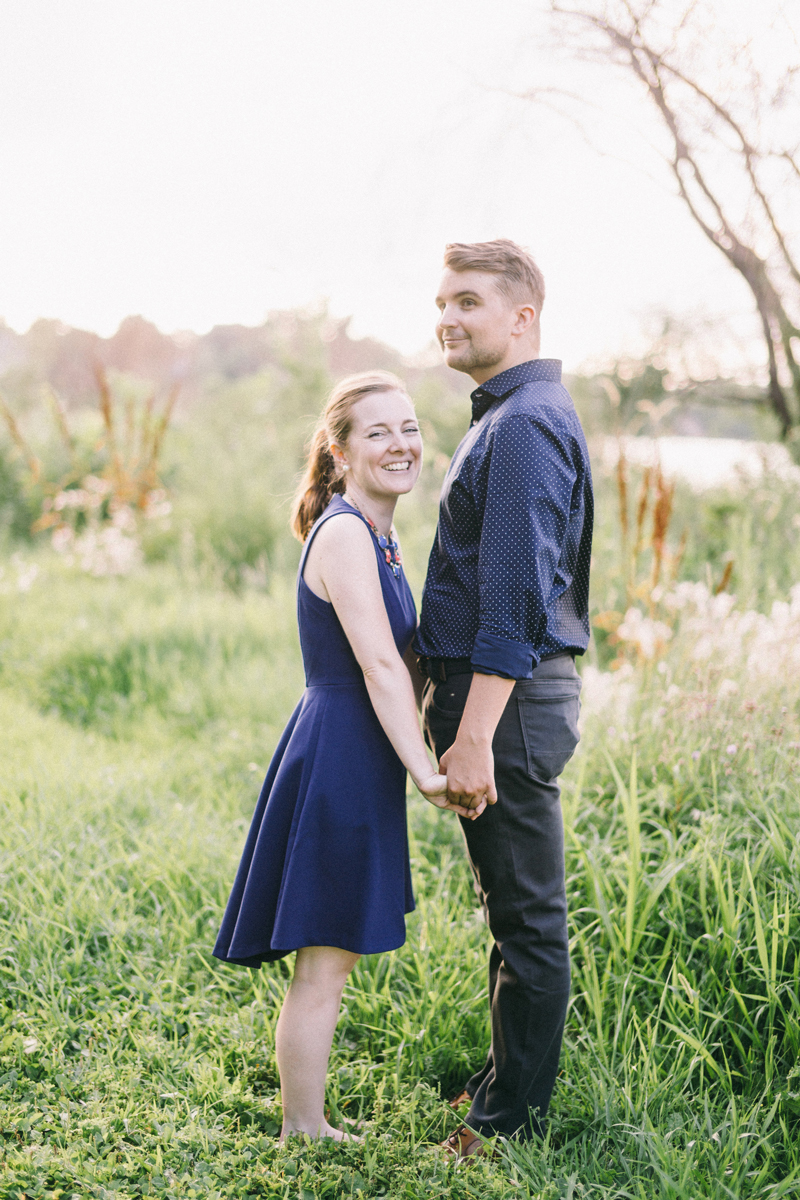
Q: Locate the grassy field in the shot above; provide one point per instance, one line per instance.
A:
(137, 716)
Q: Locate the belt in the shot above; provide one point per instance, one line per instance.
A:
(440, 669)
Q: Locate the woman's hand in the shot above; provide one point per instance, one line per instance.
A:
(434, 789)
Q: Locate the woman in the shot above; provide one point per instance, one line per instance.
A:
(325, 870)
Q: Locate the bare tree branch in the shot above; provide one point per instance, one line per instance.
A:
(749, 154)
(629, 45)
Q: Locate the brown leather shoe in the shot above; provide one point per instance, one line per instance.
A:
(464, 1144)
(460, 1100)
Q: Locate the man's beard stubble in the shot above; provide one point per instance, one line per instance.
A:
(478, 359)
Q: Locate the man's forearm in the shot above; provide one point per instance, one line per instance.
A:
(487, 699)
(469, 762)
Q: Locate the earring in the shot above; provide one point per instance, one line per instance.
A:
(345, 466)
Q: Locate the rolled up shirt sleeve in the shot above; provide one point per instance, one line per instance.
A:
(529, 488)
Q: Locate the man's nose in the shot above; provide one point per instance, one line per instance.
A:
(447, 318)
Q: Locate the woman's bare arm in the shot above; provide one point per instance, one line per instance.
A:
(344, 562)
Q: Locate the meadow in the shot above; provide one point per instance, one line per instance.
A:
(138, 714)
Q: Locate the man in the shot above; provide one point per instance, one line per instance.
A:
(504, 612)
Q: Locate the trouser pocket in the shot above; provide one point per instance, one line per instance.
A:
(548, 714)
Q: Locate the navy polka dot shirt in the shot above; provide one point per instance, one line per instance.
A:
(508, 576)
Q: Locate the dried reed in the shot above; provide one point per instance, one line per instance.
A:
(128, 478)
(34, 465)
(726, 578)
(662, 515)
(622, 492)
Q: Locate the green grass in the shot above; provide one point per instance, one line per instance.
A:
(137, 716)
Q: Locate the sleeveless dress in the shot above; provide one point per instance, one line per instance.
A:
(326, 860)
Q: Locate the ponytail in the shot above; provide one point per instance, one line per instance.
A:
(323, 479)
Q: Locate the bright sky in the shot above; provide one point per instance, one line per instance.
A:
(206, 161)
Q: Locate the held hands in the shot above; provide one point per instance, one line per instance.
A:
(470, 776)
(434, 789)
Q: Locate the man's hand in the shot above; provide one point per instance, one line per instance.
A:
(470, 774)
(469, 762)
(435, 791)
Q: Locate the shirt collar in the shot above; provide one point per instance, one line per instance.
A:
(502, 385)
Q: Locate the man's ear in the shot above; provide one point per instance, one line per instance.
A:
(526, 318)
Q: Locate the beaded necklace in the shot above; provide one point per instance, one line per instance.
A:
(390, 548)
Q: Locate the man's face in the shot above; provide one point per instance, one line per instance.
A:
(476, 321)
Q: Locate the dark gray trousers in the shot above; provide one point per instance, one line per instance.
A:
(516, 850)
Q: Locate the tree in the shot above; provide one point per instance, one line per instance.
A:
(730, 113)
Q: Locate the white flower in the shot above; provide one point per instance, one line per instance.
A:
(607, 693)
(650, 637)
(108, 551)
(157, 505)
(62, 539)
(26, 573)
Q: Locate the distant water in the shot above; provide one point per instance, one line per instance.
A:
(703, 462)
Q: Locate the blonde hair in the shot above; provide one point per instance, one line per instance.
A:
(519, 278)
(323, 479)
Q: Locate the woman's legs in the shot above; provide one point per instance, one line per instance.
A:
(304, 1036)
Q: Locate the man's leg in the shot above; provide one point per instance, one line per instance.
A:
(517, 855)
(495, 959)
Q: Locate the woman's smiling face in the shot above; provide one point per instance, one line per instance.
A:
(384, 448)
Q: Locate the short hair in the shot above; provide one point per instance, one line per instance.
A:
(519, 278)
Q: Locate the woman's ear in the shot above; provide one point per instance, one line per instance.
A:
(338, 457)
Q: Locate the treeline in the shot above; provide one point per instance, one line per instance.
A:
(635, 395)
(78, 414)
(247, 400)
(66, 359)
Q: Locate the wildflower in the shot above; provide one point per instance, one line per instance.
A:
(607, 694)
(26, 573)
(650, 637)
(108, 550)
(62, 539)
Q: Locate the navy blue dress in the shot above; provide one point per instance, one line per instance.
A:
(326, 859)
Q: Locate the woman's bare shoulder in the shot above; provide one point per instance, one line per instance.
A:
(342, 531)
(341, 562)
